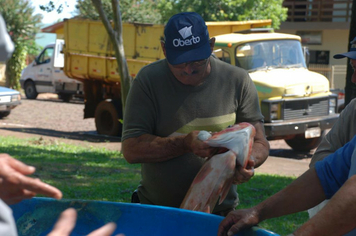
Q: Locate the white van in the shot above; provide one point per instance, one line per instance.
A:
(44, 75)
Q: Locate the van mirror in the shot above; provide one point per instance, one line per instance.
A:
(58, 54)
(306, 55)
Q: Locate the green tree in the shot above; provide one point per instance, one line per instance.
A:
(144, 11)
(110, 10)
(227, 10)
(22, 26)
(115, 35)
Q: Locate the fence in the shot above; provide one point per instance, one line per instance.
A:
(319, 11)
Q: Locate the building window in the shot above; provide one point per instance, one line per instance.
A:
(319, 57)
(310, 37)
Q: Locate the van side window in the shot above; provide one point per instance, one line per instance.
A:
(45, 56)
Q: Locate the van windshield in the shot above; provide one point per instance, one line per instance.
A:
(268, 54)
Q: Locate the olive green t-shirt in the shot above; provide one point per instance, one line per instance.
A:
(160, 105)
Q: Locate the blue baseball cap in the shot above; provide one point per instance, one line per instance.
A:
(186, 38)
(351, 54)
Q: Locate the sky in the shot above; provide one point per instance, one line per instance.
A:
(43, 39)
(53, 17)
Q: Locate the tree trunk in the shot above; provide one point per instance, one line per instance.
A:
(350, 88)
(116, 39)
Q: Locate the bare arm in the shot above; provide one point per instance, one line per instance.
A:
(301, 194)
(259, 154)
(337, 217)
(260, 149)
(151, 148)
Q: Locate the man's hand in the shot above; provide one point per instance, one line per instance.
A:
(16, 186)
(243, 175)
(198, 147)
(66, 224)
(238, 220)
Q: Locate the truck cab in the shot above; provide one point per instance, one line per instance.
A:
(296, 103)
(44, 76)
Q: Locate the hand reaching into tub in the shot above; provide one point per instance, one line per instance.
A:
(66, 224)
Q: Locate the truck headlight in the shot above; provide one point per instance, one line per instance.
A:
(332, 105)
(15, 97)
(270, 110)
(274, 111)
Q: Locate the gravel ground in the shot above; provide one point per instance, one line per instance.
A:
(48, 112)
(49, 118)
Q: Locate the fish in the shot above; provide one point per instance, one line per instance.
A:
(215, 177)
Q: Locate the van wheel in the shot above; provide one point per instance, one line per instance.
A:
(300, 143)
(107, 115)
(4, 114)
(30, 90)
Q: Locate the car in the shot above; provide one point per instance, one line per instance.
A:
(9, 99)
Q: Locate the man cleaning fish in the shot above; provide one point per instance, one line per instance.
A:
(217, 174)
(171, 101)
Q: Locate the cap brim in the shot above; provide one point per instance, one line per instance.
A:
(176, 57)
(351, 55)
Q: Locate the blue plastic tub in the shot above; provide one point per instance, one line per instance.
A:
(38, 215)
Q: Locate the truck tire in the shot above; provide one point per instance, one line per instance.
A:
(300, 143)
(30, 90)
(66, 97)
(4, 114)
(107, 115)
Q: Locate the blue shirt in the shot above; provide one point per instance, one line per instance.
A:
(334, 170)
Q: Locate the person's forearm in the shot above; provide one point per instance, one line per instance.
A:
(260, 149)
(150, 148)
(337, 217)
(302, 194)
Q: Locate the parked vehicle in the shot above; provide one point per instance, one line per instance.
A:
(297, 104)
(43, 76)
(9, 99)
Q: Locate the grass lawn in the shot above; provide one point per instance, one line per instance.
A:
(101, 174)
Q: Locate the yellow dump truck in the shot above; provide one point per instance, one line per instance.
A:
(296, 103)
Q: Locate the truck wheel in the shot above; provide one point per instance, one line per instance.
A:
(65, 97)
(107, 115)
(30, 90)
(4, 114)
(300, 143)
